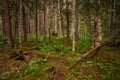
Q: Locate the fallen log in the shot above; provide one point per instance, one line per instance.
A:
(95, 50)
(85, 56)
(20, 54)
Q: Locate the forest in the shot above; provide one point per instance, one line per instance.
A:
(59, 39)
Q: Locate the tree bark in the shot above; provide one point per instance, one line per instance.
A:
(7, 26)
(59, 18)
(20, 21)
(1, 26)
(24, 21)
(67, 19)
(44, 28)
(73, 25)
(97, 26)
(111, 17)
(36, 21)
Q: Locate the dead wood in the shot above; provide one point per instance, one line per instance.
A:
(20, 54)
(95, 50)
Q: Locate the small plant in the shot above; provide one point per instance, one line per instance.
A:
(101, 66)
(90, 63)
(37, 60)
(2, 41)
(70, 60)
(74, 72)
(89, 77)
(31, 69)
(45, 59)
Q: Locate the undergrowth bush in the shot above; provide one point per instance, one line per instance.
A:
(56, 45)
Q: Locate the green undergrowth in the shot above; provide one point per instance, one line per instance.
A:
(51, 61)
(58, 45)
(2, 41)
(105, 66)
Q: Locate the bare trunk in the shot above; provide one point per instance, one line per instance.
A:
(111, 17)
(36, 21)
(7, 27)
(20, 22)
(24, 22)
(33, 26)
(16, 20)
(77, 26)
(59, 18)
(73, 25)
(1, 27)
(67, 19)
(114, 14)
(97, 26)
(47, 20)
(44, 28)
(55, 23)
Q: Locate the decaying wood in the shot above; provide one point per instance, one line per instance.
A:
(95, 50)
(80, 59)
(20, 54)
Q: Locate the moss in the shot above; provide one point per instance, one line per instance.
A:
(46, 66)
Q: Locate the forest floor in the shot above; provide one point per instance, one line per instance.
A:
(45, 66)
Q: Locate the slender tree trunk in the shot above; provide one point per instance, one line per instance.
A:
(114, 14)
(20, 21)
(42, 23)
(44, 28)
(59, 18)
(47, 20)
(77, 26)
(111, 18)
(97, 26)
(16, 19)
(7, 26)
(28, 24)
(1, 27)
(73, 25)
(33, 28)
(24, 21)
(67, 19)
(36, 21)
(55, 23)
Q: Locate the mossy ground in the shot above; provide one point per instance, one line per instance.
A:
(46, 66)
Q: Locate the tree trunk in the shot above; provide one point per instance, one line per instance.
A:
(16, 19)
(1, 26)
(24, 21)
(7, 26)
(111, 18)
(44, 28)
(36, 21)
(73, 25)
(97, 33)
(67, 19)
(59, 18)
(97, 26)
(114, 14)
(77, 26)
